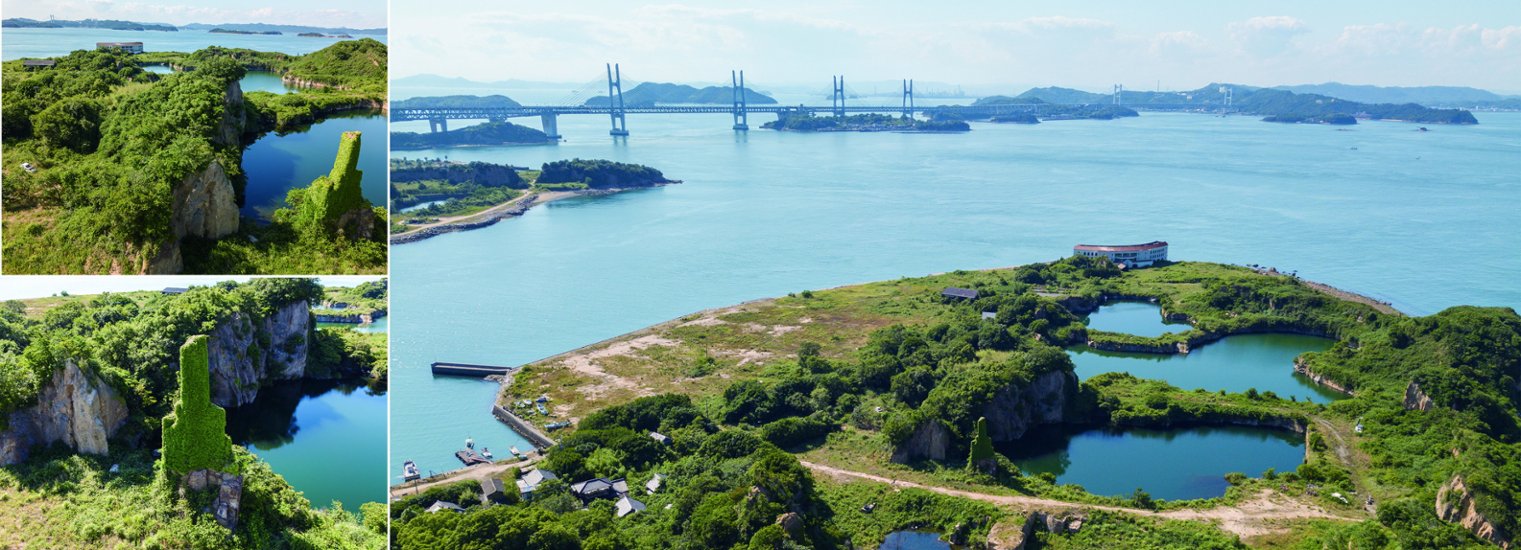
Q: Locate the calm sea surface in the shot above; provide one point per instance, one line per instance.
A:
(1422, 219)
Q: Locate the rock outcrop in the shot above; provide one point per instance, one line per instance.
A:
(1303, 367)
(247, 352)
(1455, 503)
(1417, 400)
(1015, 409)
(1010, 413)
(228, 494)
(75, 407)
(205, 204)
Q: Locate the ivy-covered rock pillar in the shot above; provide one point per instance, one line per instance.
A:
(195, 434)
(983, 457)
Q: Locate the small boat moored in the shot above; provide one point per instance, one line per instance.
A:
(486, 452)
(409, 471)
(516, 452)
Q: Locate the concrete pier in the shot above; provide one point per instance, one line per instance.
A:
(466, 369)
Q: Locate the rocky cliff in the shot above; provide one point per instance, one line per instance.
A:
(1417, 400)
(1455, 503)
(248, 352)
(205, 201)
(1010, 413)
(1016, 409)
(1303, 367)
(75, 407)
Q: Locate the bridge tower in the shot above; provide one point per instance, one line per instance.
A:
(1119, 89)
(741, 113)
(615, 101)
(837, 101)
(908, 98)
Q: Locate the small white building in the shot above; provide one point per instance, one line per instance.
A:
(129, 47)
(1126, 255)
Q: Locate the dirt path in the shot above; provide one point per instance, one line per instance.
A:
(1251, 518)
(537, 197)
(472, 473)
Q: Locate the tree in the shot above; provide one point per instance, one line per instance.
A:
(72, 123)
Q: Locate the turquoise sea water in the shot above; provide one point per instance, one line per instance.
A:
(1421, 219)
(276, 163)
(19, 43)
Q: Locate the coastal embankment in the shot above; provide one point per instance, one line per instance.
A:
(485, 218)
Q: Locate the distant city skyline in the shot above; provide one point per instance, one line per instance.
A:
(314, 13)
(1007, 46)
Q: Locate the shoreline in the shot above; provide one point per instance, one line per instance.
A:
(510, 209)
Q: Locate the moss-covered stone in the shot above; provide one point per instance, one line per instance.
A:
(195, 434)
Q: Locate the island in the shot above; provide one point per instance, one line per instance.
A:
(496, 101)
(483, 134)
(866, 122)
(220, 30)
(115, 406)
(431, 196)
(110, 24)
(1274, 104)
(648, 94)
(154, 162)
(1034, 109)
(842, 417)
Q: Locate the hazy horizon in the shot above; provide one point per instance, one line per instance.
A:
(356, 14)
(978, 45)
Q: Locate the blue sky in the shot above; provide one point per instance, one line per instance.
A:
(1183, 44)
(318, 13)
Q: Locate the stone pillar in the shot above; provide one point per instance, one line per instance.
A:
(551, 124)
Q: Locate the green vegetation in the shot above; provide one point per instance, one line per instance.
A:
(1111, 530)
(723, 489)
(868, 122)
(850, 377)
(1054, 111)
(114, 146)
(328, 227)
(600, 174)
(57, 499)
(486, 133)
(366, 297)
(458, 189)
(195, 433)
(1277, 105)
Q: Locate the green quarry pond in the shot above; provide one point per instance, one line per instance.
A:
(1234, 363)
(1174, 464)
(326, 438)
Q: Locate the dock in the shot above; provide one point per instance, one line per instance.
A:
(522, 427)
(442, 368)
(470, 457)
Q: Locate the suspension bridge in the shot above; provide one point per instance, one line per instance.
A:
(739, 108)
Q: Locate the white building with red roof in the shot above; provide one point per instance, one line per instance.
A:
(1126, 255)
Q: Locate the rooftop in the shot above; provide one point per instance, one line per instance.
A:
(1120, 247)
(955, 292)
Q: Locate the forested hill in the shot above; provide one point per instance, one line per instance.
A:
(650, 93)
(112, 24)
(1430, 96)
(1280, 105)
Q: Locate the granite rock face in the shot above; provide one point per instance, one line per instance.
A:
(1010, 413)
(1455, 503)
(205, 204)
(248, 352)
(75, 407)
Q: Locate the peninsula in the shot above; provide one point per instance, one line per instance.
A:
(846, 414)
(479, 135)
(868, 122)
(433, 197)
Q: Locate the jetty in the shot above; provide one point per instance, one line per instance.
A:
(442, 368)
(470, 458)
(522, 427)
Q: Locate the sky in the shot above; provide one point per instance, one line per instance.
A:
(359, 14)
(16, 287)
(999, 44)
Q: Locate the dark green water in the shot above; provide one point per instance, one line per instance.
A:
(276, 163)
(326, 438)
(1138, 318)
(913, 540)
(1185, 463)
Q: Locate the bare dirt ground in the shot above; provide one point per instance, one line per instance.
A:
(474, 473)
(585, 364)
(1254, 517)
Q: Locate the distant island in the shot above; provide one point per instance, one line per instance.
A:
(1430, 96)
(109, 24)
(220, 30)
(650, 93)
(490, 133)
(870, 122)
(1038, 110)
(456, 102)
(320, 35)
(1275, 105)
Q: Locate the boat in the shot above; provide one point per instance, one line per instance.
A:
(409, 471)
(469, 443)
(485, 452)
(516, 452)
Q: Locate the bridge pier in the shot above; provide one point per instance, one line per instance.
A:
(436, 125)
(551, 125)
